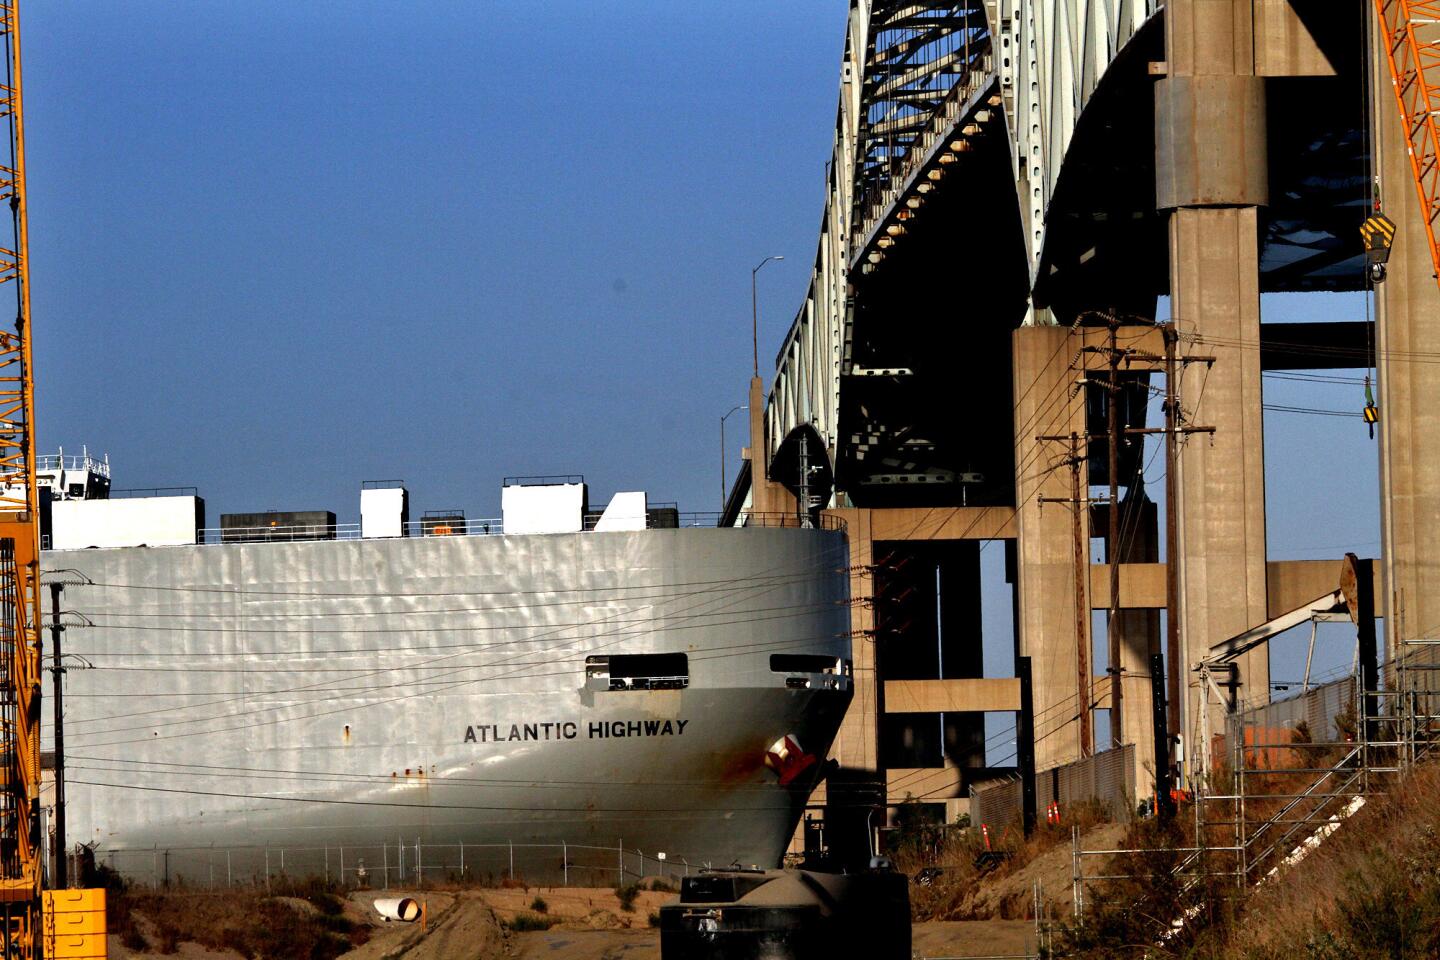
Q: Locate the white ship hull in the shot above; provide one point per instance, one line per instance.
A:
(253, 698)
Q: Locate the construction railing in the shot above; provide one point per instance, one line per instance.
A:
(1295, 770)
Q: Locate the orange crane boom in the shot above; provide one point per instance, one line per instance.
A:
(1411, 37)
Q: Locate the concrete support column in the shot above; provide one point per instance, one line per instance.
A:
(766, 496)
(1215, 292)
(856, 743)
(1211, 174)
(1050, 633)
(1407, 320)
(1139, 637)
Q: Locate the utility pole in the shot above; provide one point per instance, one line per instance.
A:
(57, 630)
(1112, 548)
(1172, 531)
(1025, 744)
(1174, 429)
(1079, 502)
(1082, 603)
(1114, 432)
(1164, 807)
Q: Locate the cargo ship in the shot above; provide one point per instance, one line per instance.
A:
(556, 681)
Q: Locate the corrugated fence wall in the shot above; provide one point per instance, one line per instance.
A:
(1317, 708)
(1107, 778)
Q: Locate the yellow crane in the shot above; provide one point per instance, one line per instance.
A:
(20, 857)
(33, 924)
(1410, 32)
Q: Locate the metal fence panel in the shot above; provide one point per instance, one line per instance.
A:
(1317, 708)
(1107, 779)
(996, 805)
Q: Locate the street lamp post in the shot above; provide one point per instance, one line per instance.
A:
(724, 478)
(755, 312)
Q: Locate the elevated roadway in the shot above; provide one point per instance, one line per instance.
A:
(1007, 178)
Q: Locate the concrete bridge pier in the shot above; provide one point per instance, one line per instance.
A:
(1211, 176)
(1055, 623)
(1139, 633)
(917, 720)
(1053, 618)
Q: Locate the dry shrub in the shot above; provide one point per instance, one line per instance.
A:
(1124, 915)
(526, 922)
(251, 921)
(1371, 890)
(964, 868)
(626, 895)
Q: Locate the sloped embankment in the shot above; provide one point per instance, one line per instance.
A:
(1371, 890)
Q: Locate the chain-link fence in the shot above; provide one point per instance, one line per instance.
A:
(403, 863)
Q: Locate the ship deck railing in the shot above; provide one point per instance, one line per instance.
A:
(61, 462)
(489, 526)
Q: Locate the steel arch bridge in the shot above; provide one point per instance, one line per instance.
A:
(993, 165)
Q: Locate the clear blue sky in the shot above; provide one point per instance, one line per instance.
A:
(281, 248)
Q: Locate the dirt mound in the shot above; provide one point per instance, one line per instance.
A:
(454, 925)
(1010, 895)
(302, 919)
(960, 885)
(471, 924)
(973, 938)
(566, 944)
(593, 907)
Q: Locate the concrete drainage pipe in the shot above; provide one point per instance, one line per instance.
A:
(404, 909)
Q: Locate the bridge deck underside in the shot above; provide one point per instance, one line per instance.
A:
(1105, 244)
(939, 273)
(940, 312)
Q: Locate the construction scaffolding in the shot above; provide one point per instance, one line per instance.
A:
(1279, 782)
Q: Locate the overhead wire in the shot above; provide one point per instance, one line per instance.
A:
(591, 813)
(128, 765)
(349, 692)
(390, 595)
(426, 663)
(1312, 411)
(784, 611)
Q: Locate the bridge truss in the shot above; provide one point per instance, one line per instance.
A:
(921, 82)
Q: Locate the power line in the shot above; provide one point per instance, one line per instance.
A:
(720, 812)
(348, 693)
(371, 595)
(169, 769)
(1312, 411)
(419, 683)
